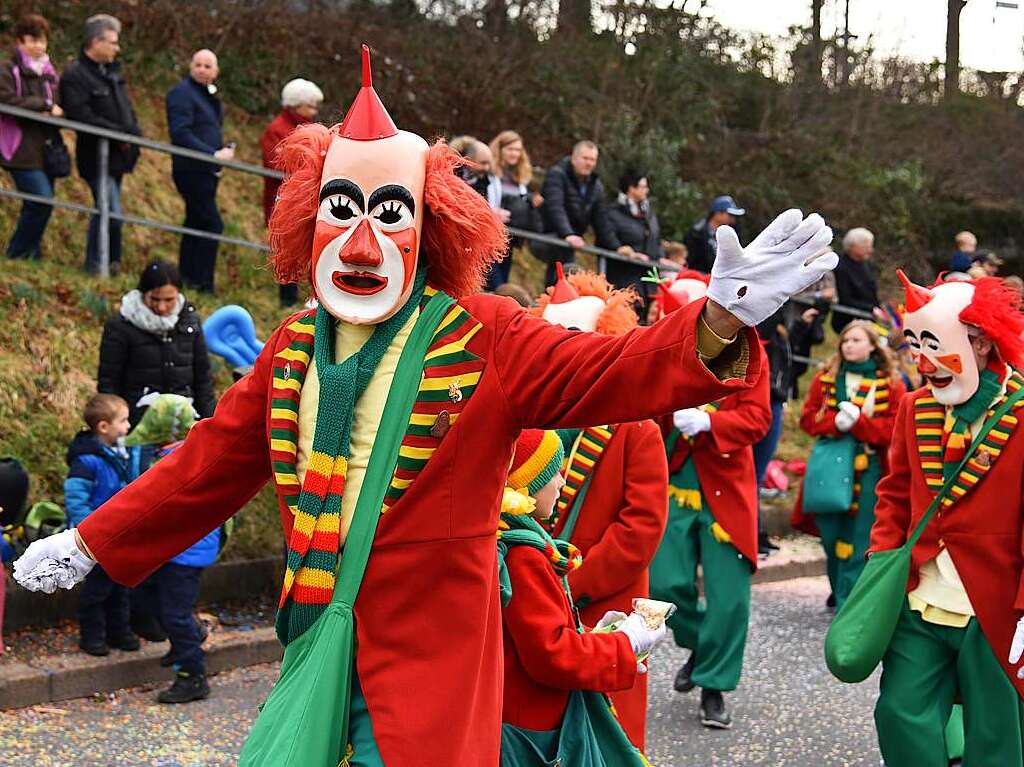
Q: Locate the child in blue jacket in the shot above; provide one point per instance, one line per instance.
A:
(99, 466)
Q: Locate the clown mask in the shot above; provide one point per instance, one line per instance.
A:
(571, 310)
(939, 342)
(370, 219)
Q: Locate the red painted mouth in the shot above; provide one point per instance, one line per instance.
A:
(359, 283)
(939, 383)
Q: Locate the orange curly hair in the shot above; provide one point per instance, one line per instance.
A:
(618, 316)
(461, 235)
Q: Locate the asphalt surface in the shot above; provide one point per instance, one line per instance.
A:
(788, 711)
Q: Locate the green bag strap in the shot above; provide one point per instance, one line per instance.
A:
(918, 531)
(384, 455)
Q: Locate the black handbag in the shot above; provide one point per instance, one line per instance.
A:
(56, 158)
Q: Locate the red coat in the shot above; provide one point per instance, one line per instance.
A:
(545, 657)
(982, 530)
(285, 122)
(724, 459)
(618, 531)
(429, 657)
(818, 420)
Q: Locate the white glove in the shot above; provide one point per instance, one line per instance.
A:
(790, 255)
(610, 617)
(847, 416)
(1017, 647)
(691, 421)
(640, 637)
(51, 563)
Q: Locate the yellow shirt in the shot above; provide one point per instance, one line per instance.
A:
(369, 409)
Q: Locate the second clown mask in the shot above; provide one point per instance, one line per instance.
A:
(370, 220)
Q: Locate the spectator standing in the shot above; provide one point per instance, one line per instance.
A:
(29, 81)
(700, 241)
(813, 306)
(93, 91)
(574, 200)
(636, 226)
(514, 172)
(856, 286)
(156, 344)
(966, 244)
(300, 104)
(195, 120)
(98, 467)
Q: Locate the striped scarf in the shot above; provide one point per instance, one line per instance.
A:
(956, 430)
(312, 559)
(524, 530)
(581, 463)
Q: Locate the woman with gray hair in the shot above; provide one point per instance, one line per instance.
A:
(856, 286)
(300, 103)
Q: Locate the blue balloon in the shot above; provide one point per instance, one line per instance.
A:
(231, 334)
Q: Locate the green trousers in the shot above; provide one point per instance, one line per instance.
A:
(852, 531)
(715, 628)
(924, 668)
(360, 733)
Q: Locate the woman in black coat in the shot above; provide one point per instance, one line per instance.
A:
(156, 344)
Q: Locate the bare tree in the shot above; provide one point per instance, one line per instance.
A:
(816, 45)
(574, 17)
(951, 86)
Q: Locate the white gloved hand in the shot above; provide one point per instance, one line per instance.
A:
(847, 416)
(1017, 647)
(640, 637)
(51, 563)
(610, 617)
(791, 254)
(691, 421)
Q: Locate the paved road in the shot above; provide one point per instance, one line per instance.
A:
(788, 712)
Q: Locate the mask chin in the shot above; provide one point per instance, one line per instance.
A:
(959, 389)
(578, 314)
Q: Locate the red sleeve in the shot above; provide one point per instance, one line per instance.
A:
(877, 430)
(892, 512)
(741, 426)
(548, 645)
(553, 377)
(223, 463)
(816, 419)
(628, 544)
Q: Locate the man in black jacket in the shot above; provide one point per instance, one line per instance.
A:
(855, 276)
(574, 199)
(701, 244)
(195, 119)
(93, 91)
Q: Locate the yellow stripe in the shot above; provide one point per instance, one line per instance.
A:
(282, 478)
(304, 523)
(925, 432)
(321, 463)
(284, 445)
(422, 453)
(284, 414)
(576, 475)
(289, 578)
(293, 355)
(442, 383)
(454, 346)
(400, 484)
(428, 419)
(287, 383)
(585, 461)
(1000, 434)
(312, 576)
(591, 445)
(301, 328)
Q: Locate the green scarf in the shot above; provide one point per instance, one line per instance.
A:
(868, 368)
(524, 530)
(313, 548)
(989, 385)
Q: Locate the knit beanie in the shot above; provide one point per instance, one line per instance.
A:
(538, 458)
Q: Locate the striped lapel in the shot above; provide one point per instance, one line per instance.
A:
(590, 446)
(290, 365)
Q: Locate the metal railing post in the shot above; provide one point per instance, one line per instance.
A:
(103, 203)
(602, 265)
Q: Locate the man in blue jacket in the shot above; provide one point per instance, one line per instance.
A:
(195, 119)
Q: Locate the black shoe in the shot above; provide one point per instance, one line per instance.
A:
(712, 710)
(683, 682)
(765, 545)
(128, 642)
(95, 647)
(148, 627)
(166, 661)
(186, 688)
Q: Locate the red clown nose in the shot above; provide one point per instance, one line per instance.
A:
(916, 295)
(367, 119)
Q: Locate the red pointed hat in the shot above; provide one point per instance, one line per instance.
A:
(916, 296)
(563, 292)
(367, 119)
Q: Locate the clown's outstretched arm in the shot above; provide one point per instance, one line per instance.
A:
(222, 464)
(553, 377)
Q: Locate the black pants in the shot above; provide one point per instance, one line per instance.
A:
(198, 255)
(499, 272)
(102, 608)
(178, 588)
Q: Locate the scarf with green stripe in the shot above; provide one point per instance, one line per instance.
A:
(524, 530)
(868, 368)
(957, 428)
(313, 548)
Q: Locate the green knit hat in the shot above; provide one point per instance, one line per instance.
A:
(538, 458)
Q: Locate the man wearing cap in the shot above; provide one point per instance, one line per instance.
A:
(700, 241)
(386, 418)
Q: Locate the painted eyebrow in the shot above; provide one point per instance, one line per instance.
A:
(925, 334)
(345, 187)
(910, 334)
(393, 192)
